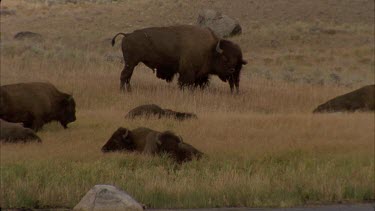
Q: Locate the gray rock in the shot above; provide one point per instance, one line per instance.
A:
(113, 57)
(222, 25)
(107, 197)
(7, 12)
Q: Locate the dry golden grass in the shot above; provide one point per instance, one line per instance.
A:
(263, 146)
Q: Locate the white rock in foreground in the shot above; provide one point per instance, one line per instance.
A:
(107, 197)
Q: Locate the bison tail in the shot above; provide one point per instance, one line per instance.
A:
(114, 38)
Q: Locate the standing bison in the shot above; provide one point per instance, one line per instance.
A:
(362, 99)
(193, 52)
(15, 132)
(35, 104)
(147, 141)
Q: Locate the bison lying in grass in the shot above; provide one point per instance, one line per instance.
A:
(35, 104)
(156, 111)
(359, 100)
(15, 132)
(147, 141)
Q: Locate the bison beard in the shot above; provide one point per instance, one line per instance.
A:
(191, 51)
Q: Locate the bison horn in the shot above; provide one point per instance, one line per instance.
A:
(158, 141)
(218, 49)
(125, 134)
(180, 139)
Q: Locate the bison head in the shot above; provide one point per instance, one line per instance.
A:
(67, 111)
(186, 152)
(228, 62)
(176, 148)
(120, 140)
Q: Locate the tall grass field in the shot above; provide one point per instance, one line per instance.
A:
(263, 147)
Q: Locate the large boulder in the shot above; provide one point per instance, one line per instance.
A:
(107, 197)
(362, 99)
(222, 25)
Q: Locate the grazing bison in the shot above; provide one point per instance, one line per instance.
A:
(147, 141)
(35, 104)
(191, 51)
(15, 132)
(359, 100)
(154, 110)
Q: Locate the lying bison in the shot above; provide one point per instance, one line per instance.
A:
(35, 104)
(156, 111)
(147, 141)
(191, 51)
(15, 132)
(359, 100)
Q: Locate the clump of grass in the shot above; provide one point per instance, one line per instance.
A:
(290, 178)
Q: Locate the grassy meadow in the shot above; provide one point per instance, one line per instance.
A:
(264, 147)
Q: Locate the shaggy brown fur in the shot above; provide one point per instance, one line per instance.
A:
(359, 100)
(148, 141)
(192, 51)
(35, 104)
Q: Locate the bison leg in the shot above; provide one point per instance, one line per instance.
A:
(37, 124)
(186, 80)
(29, 121)
(125, 77)
(202, 82)
(231, 84)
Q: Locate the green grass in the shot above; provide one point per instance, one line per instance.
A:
(263, 147)
(284, 179)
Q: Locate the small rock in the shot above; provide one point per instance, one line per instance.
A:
(7, 12)
(111, 57)
(222, 25)
(335, 78)
(275, 44)
(295, 37)
(28, 35)
(107, 197)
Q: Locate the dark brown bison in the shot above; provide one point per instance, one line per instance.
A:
(147, 141)
(359, 100)
(193, 52)
(157, 111)
(35, 104)
(15, 132)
